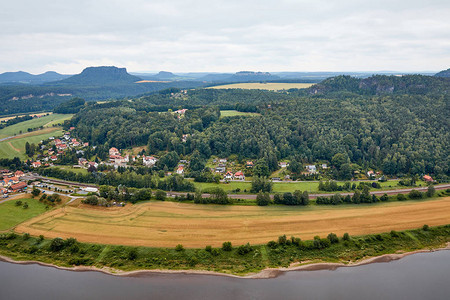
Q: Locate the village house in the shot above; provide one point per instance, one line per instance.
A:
(114, 151)
(370, 173)
(6, 182)
(223, 160)
(427, 178)
(181, 111)
(239, 176)
(36, 164)
(18, 187)
(311, 169)
(92, 164)
(220, 169)
(228, 175)
(184, 138)
(283, 164)
(249, 164)
(180, 170)
(19, 174)
(53, 157)
(324, 166)
(148, 161)
(82, 161)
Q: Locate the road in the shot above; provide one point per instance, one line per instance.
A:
(250, 197)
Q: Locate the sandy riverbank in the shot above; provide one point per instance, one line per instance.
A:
(264, 274)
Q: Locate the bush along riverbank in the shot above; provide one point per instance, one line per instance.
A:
(239, 260)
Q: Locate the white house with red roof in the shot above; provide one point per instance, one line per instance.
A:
(239, 176)
(19, 174)
(36, 164)
(114, 151)
(149, 161)
(229, 175)
(180, 170)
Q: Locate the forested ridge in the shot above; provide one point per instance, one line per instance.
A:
(398, 133)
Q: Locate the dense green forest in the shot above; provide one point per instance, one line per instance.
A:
(399, 131)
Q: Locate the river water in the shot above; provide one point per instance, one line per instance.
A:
(418, 276)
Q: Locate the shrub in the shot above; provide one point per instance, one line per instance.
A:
(18, 203)
(226, 246)
(272, 244)
(415, 194)
(282, 240)
(425, 227)
(41, 239)
(332, 237)
(215, 252)
(384, 198)
(244, 249)
(431, 190)
(132, 255)
(263, 199)
(70, 242)
(394, 233)
(346, 237)
(179, 247)
(160, 195)
(296, 241)
(401, 197)
(57, 244)
(208, 248)
(26, 236)
(25, 205)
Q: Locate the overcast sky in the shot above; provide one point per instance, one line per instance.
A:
(225, 35)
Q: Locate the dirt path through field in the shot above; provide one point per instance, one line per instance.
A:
(166, 224)
(14, 148)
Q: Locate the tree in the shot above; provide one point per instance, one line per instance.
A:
(332, 237)
(431, 190)
(25, 205)
(346, 237)
(339, 159)
(261, 168)
(57, 244)
(160, 195)
(226, 246)
(179, 247)
(262, 199)
(261, 184)
(35, 192)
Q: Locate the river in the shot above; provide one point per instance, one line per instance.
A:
(418, 276)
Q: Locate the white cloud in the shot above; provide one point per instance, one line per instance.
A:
(227, 36)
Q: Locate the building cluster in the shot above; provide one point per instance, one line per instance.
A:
(11, 182)
(56, 148)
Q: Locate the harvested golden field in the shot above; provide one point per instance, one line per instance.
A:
(272, 86)
(166, 224)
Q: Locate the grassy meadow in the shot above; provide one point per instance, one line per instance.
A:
(283, 187)
(12, 215)
(233, 113)
(272, 86)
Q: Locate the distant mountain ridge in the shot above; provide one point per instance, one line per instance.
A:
(105, 75)
(25, 77)
(444, 73)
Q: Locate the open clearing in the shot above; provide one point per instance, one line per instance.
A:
(166, 224)
(271, 86)
(232, 113)
(11, 215)
(282, 187)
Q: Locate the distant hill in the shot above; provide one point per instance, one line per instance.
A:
(27, 78)
(162, 76)
(382, 84)
(100, 76)
(243, 76)
(444, 73)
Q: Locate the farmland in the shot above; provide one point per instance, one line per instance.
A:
(11, 215)
(15, 146)
(272, 86)
(165, 224)
(22, 127)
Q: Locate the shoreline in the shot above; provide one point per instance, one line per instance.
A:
(263, 274)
